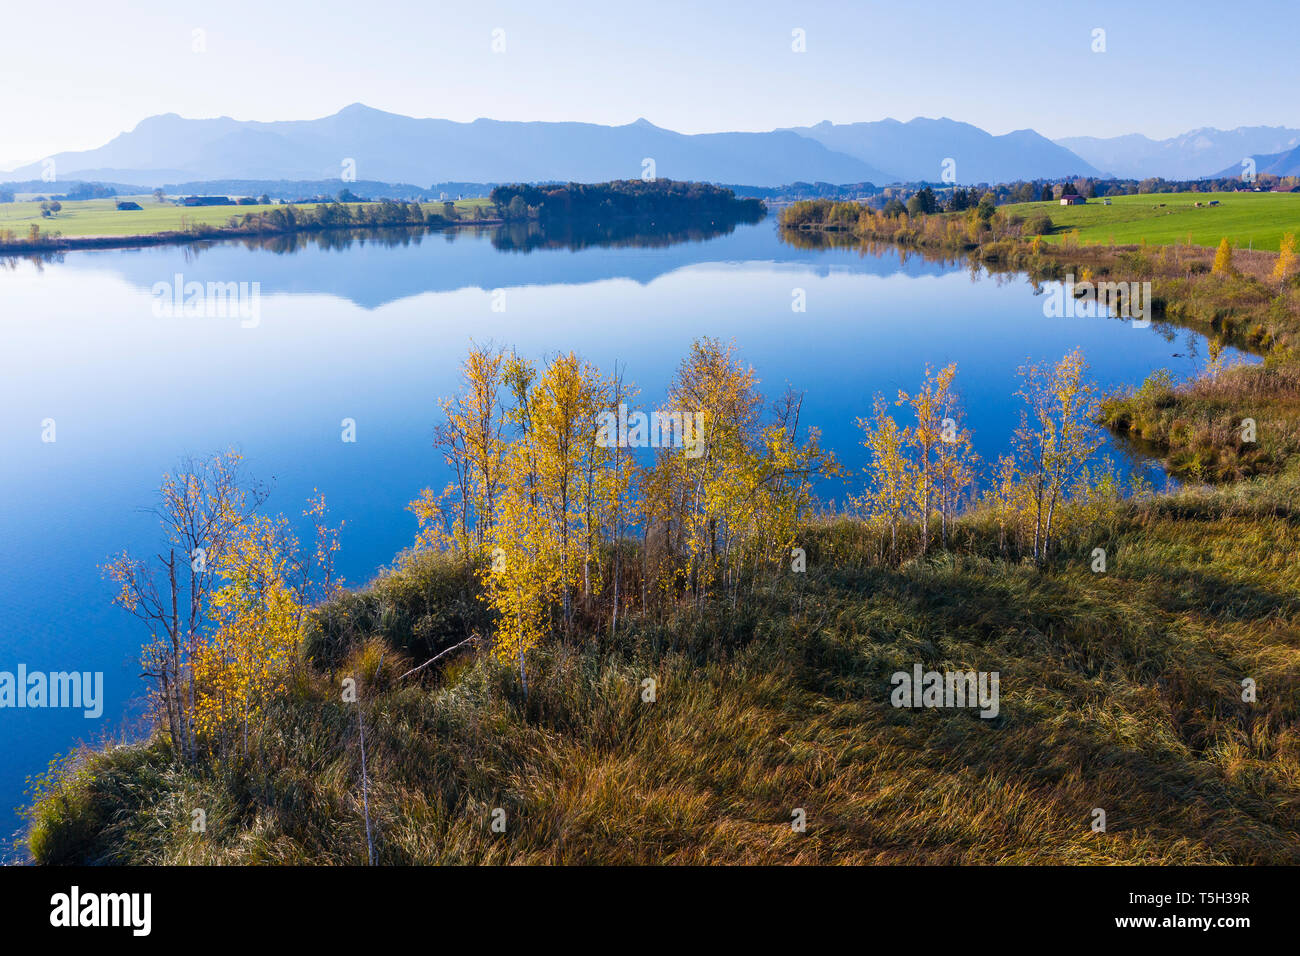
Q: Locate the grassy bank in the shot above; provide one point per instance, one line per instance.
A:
(100, 225)
(1120, 691)
(1241, 422)
(101, 217)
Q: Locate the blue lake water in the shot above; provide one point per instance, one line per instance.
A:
(375, 332)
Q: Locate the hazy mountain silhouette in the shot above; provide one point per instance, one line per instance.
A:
(390, 148)
(918, 148)
(1197, 154)
(393, 148)
(1286, 163)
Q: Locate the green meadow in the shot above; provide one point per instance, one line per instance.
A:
(1249, 220)
(101, 217)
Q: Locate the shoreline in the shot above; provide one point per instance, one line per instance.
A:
(1194, 428)
(178, 237)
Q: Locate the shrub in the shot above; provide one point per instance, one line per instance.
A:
(428, 601)
(1040, 225)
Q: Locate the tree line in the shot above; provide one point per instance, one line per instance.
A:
(573, 510)
(657, 198)
(563, 525)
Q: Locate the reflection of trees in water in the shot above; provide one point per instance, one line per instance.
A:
(334, 240)
(525, 236)
(510, 237)
(286, 243)
(823, 240)
(37, 259)
(979, 269)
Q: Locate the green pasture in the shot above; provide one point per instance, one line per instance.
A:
(1249, 220)
(101, 217)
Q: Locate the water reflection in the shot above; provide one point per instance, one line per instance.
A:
(372, 325)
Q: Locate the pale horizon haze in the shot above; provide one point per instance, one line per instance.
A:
(77, 81)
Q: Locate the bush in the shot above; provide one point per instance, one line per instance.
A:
(428, 601)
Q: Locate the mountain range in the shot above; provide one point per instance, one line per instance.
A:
(1197, 154)
(917, 150)
(393, 148)
(369, 144)
(1286, 163)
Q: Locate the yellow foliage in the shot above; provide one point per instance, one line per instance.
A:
(1286, 258)
(1223, 258)
(257, 614)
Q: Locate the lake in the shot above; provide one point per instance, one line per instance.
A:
(374, 330)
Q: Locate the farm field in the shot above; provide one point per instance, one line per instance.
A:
(101, 217)
(1249, 220)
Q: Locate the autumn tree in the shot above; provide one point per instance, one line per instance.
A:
(201, 508)
(225, 603)
(1003, 496)
(1286, 258)
(891, 470)
(928, 408)
(793, 465)
(545, 476)
(543, 536)
(1056, 437)
(267, 582)
(955, 461)
(470, 439)
(716, 398)
(1223, 259)
(613, 490)
(256, 615)
(565, 404)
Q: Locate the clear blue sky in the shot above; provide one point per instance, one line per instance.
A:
(78, 73)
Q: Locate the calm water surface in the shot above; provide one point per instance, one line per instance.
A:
(374, 331)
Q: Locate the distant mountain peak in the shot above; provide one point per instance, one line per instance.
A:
(921, 150)
(1195, 154)
(389, 147)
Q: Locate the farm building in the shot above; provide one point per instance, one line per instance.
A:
(1072, 200)
(207, 201)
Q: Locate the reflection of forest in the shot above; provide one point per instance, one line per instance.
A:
(998, 271)
(525, 236)
(511, 237)
(514, 236)
(330, 240)
(818, 240)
